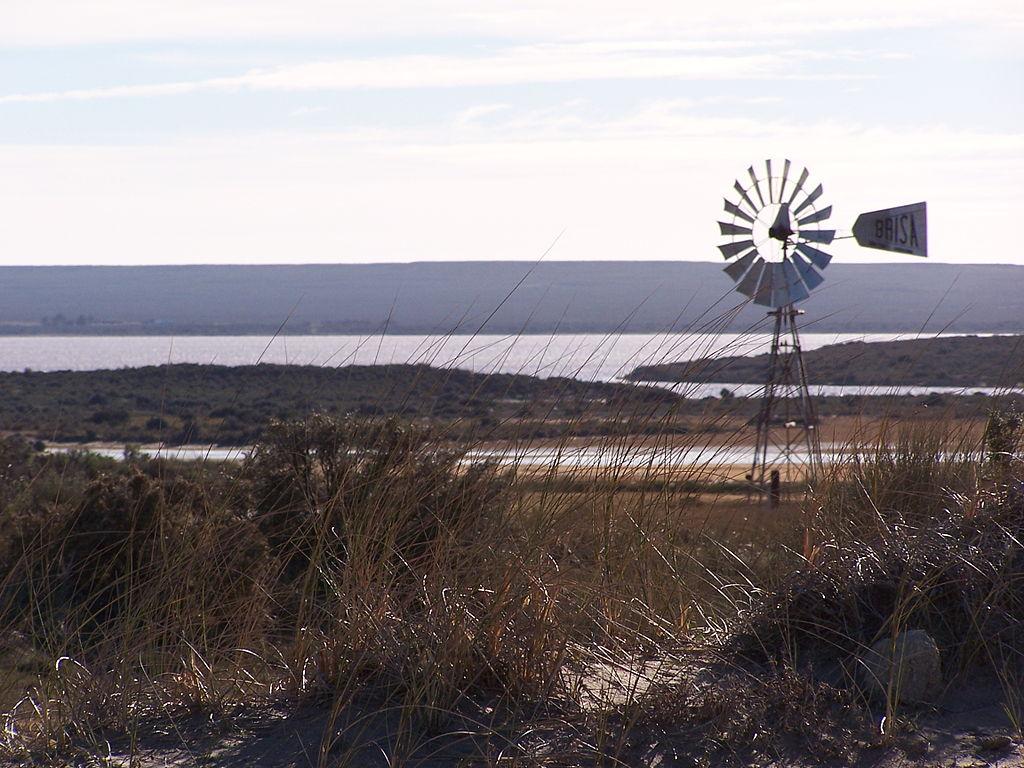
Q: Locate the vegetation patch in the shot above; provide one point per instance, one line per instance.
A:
(232, 405)
(356, 590)
(225, 405)
(951, 361)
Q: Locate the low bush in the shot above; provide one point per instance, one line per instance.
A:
(344, 555)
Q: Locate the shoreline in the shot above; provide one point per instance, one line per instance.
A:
(838, 436)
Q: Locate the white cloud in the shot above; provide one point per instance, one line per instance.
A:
(468, 118)
(307, 110)
(523, 64)
(122, 91)
(63, 22)
(646, 186)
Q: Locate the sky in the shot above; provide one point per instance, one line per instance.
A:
(259, 131)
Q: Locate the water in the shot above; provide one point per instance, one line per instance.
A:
(592, 357)
(595, 456)
(176, 452)
(710, 389)
(564, 458)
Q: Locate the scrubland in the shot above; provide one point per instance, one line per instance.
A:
(231, 405)
(358, 592)
(953, 361)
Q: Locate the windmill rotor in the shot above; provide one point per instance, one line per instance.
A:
(773, 234)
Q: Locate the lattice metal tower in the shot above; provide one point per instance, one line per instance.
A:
(775, 259)
(787, 424)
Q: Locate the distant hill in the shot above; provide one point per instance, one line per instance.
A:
(504, 297)
(963, 361)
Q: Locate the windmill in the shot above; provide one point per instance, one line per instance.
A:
(775, 249)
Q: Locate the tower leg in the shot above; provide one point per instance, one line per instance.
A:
(813, 465)
(787, 448)
(761, 451)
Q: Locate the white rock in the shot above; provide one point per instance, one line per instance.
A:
(908, 668)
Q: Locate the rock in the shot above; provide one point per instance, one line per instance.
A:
(907, 668)
(993, 742)
(916, 745)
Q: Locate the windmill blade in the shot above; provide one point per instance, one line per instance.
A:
(735, 210)
(819, 235)
(757, 188)
(746, 199)
(814, 218)
(771, 195)
(764, 289)
(810, 199)
(734, 229)
(797, 291)
(799, 185)
(785, 176)
(780, 288)
(810, 277)
(741, 265)
(820, 259)
(748, 285)
(735, 249)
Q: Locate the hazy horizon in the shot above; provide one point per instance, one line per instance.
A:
(504, 296)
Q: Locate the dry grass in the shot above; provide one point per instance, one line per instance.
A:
(364, 567)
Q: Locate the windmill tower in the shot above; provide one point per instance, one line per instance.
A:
(774, 249)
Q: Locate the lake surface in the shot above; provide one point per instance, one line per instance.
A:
(592, 357)
(711, 389)
(610, 454)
